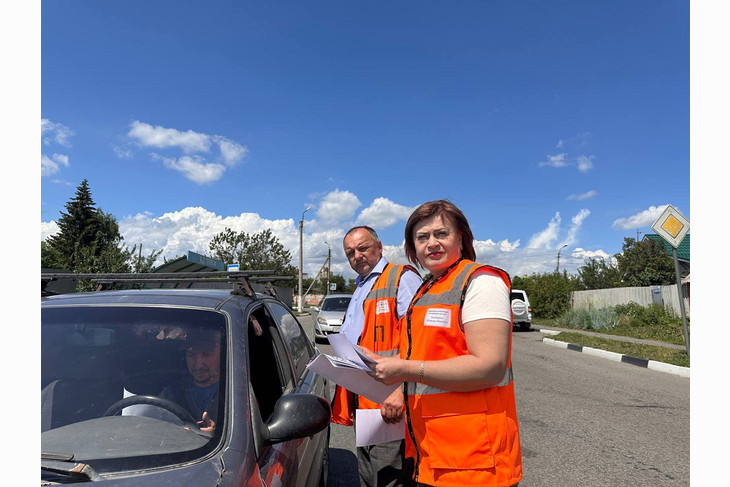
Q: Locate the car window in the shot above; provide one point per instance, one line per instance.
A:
(94, 357)
(515, 295)
(336, 304)
(270, 370)
(296, 339)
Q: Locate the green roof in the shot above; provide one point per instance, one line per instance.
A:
(682, 250)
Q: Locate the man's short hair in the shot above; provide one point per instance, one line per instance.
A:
(203, 339)
(368, 229)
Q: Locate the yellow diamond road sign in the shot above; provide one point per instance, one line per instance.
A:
(672, 226)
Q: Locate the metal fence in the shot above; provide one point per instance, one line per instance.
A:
(603, 298)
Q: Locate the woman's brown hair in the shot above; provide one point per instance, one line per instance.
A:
(446, 210)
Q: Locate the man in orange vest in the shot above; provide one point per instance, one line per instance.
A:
(383, 293)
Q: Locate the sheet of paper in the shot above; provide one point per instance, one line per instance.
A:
(343, 348)
(370, 429)
(353, 378)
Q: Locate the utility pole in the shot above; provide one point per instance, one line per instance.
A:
(557, 269)
(329, 267)
(301, 258)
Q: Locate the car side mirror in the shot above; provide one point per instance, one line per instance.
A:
(298, 416)
(314, 308)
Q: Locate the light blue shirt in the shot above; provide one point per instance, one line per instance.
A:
(355, 315)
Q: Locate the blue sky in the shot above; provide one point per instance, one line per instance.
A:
(547, 123)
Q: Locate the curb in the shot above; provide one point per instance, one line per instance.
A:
(617, 357)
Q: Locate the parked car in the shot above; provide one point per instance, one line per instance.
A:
(521, 309)
(329, 315)
(107, 355)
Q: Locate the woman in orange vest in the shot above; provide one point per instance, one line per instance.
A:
(455, 359)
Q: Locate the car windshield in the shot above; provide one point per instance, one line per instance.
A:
(336, 304)
(126, 387)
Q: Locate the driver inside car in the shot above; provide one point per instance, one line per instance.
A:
(198, 391)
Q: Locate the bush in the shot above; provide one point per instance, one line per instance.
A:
(590, 319)
(652, 315)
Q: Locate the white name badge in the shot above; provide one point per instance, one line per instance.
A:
(438, 317)
(381, 307)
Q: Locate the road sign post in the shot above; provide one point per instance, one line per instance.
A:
(672, 226)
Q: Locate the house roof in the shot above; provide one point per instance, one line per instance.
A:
(682, 250)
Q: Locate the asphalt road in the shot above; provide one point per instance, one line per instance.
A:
(584, 421)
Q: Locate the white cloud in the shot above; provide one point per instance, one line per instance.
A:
(585, 163)
(584, 196)
(164, 138)
(195, 147)
(583, 255)
(644, 218)
(192, 229)
(558, 160)
(121, 152)
(383, 213)
(52, 165)
(53, 132)
(232, 152)
(545, 238)
(576, 223)
(338, 206)
(48, 229)
(194, 168)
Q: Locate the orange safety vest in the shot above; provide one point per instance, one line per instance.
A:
(380, 333)
(456, 438)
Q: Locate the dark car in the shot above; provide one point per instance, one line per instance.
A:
(108, 357)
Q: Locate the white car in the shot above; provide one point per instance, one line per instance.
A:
(330, 315)
(521, 309)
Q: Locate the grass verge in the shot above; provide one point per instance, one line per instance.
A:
(649, 352)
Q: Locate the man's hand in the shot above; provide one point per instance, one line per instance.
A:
(208, 425)
(392, 408)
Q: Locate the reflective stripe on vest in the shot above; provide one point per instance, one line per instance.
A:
(416, 388)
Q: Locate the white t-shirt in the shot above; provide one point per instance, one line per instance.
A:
(486, 297)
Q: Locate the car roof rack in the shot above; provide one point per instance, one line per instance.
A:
(242, 279)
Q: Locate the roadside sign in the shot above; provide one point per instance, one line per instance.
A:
(672, 226)
(333, 286)
(233, 267)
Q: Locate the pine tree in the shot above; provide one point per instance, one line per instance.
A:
(79, 227)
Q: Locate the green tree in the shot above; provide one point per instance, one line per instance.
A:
(260, 251)
(79, 228)
(89, 241)
(596, 274)
(549, 293)
(645, 263)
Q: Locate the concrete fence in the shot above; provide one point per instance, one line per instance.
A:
(604, 298)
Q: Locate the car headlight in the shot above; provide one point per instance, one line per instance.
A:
(321, 320)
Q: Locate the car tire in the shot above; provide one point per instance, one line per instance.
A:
(524, 326)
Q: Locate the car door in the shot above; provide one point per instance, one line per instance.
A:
(312, 452)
